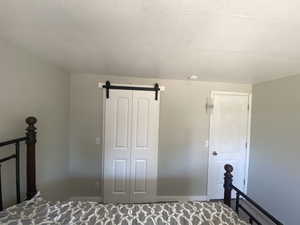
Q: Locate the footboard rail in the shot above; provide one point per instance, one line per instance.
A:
(228, 187)
(30, 141)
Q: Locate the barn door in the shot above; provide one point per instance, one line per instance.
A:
(118, 116)
(130, 155)
(144, 146)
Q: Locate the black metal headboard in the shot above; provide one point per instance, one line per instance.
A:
(30, 141)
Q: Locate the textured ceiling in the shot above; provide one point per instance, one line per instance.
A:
(244, 41)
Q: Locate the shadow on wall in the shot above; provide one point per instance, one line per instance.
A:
(179, 185)
(55, 190)
(83, 186)
(93, 186)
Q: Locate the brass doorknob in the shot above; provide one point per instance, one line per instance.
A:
(215, 153)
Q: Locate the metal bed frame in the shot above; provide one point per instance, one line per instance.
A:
(229, 187)
(30, 141)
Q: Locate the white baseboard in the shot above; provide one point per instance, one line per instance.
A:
(159, 198)
(86, 198)
(182, 198)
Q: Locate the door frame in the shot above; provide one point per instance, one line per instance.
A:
(249, 94)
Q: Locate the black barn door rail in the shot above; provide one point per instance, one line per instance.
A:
(108, 86)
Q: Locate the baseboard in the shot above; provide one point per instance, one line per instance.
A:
(86, 198)
(182, 198)
(159, 198)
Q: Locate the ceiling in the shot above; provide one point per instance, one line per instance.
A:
(245, 41)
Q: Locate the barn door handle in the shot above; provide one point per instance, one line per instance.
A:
(215, 153)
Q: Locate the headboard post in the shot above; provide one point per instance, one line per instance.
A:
(227, 184)
(30, 143)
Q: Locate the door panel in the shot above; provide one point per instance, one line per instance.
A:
(140, 179)
(118, 113)
(121, 128)
(142, 122)
(228, 138)
(119, 168)
(144, 147)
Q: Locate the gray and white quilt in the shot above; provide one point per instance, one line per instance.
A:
(39, 211)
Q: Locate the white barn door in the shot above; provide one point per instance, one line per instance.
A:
(144, 146)
(131, 138)
(117, 142)
(229, 128)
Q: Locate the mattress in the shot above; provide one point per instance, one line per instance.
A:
(39, 211)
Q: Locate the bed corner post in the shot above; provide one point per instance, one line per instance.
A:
(228, 184)
(30, 143)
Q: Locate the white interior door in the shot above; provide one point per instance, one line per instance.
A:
(131, 139)
(118, 116)
(144, 146)
(229, 126)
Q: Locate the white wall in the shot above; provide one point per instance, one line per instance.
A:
(184, 128)
(31, 87)
(274, 178)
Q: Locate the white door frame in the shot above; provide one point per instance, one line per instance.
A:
(248, 134)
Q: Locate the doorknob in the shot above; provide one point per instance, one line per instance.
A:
(215, 153)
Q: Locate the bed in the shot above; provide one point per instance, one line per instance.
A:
(36, 210)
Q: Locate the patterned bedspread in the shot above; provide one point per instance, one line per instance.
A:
(39, 211)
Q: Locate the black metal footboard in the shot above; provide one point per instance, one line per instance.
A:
(30, 140)
(228, 187)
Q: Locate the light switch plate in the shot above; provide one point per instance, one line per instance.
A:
(98, 140)
(206, 144)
